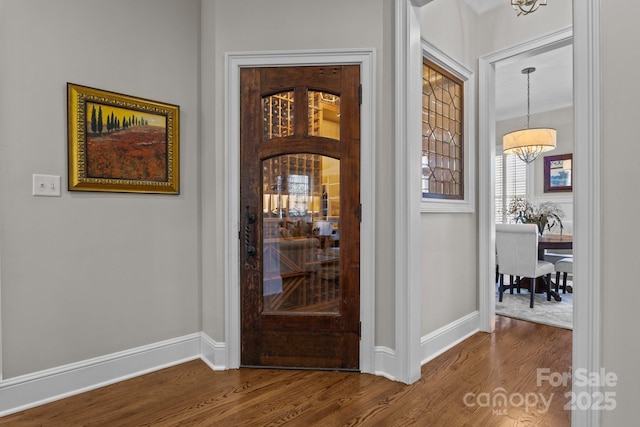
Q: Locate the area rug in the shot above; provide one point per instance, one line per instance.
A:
(553, 313)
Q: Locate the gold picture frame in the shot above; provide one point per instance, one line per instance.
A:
(120, 143)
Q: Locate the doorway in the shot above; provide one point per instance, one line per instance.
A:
(235, 62)
(487, 154)
(300, 211)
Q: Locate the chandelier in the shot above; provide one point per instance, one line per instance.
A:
(525, 7)
(529, 143)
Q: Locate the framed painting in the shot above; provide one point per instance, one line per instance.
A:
(119, 143)
(558, 173)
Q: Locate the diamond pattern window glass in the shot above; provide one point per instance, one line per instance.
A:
(442, 134)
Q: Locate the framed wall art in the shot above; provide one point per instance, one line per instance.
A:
(119, 143)
(558, 173)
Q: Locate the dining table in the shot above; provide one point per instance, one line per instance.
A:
(552, 241)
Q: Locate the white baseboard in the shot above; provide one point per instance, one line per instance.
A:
(385, 363)
(441, 340)
(46, 386)
(431, 345)
(213, 353)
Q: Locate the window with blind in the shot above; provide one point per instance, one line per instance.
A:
(511, 182)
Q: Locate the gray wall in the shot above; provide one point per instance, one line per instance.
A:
(331, 24)
(88, 274)
(621, 234)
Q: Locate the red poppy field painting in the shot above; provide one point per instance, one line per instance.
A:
(119, 143)
(126, 145)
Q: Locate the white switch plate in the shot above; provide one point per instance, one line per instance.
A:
(46, 185)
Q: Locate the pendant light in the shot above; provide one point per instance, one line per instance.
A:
(529, 143)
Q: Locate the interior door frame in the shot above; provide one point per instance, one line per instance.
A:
(587, 317)
(487, 150)
(233, 63)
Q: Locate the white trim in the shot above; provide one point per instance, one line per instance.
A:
(213, 353)
(407, 152)
(386, 363)
(586, 192)
(420, 3)
(467, 205)
(233, 62)
(431, 345)
(486, 154)
(46, 386)
(441, 340)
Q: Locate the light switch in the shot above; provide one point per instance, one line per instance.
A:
(46, 185)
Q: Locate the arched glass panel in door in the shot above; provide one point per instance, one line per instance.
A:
(301, 233)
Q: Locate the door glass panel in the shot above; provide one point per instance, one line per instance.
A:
(301, 234)
(324, 114)
(277, 115)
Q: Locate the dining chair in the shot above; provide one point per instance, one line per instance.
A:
(564, 266)
(517, 246)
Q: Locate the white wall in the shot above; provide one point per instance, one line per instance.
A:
(455, 29)
(501, 27)
(88, 274)
(449, 241)
(621, 234)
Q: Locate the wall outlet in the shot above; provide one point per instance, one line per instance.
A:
(46, 185)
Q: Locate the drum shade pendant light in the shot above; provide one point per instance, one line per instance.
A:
(525, 7)
(529, 143)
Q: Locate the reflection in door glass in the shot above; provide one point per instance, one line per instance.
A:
(301, 234)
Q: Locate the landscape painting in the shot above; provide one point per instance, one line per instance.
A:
(120, 143)
(558, 173)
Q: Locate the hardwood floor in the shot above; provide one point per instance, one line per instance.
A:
(462, 387)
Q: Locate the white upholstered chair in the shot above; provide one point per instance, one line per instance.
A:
(564, 266)
(517, 246)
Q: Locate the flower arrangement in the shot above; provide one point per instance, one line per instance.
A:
(546, 215)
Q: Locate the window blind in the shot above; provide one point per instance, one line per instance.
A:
(511, 182)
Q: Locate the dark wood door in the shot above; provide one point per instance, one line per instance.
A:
(300, 209)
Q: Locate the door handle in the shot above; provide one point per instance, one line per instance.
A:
(250, 250)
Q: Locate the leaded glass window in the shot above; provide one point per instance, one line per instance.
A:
(442, 134)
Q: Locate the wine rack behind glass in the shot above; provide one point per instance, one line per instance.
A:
(278, 120)
(278, 115)
(294, 164)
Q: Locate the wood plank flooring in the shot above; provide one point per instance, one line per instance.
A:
(462, 387)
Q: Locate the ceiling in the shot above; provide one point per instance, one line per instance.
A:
(551, 83)
(483, 6)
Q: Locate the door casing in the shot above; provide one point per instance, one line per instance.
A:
(233, 62)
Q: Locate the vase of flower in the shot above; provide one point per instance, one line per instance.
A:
(546, 215)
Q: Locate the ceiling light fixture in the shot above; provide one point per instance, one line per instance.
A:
(525, 7)
(529, 143)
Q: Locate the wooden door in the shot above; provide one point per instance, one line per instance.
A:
(300, 212)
